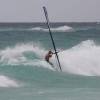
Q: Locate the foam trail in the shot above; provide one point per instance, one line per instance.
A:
(58, 29)
(7, 82)
(83, 59)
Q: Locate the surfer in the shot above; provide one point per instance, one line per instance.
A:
(48, 56)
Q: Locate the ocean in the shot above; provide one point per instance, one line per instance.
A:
(24, 73)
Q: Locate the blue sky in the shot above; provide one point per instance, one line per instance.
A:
(59, 10)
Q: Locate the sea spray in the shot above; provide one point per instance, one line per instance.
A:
(17, 52)
(24, 54)
(83, 59)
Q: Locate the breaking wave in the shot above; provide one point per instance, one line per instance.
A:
(83, 59)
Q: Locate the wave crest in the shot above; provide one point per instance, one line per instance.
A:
(58, 29)
(18, 54)
(83, 59)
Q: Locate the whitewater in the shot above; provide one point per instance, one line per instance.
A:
(74, 60)
(24, 73)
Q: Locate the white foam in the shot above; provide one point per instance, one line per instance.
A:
(62, 28)
(7, 82)
(58, 29)
(15, 55)
(82, 59)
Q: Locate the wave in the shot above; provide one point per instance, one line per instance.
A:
(7, 82)
(81, 59)
(17, 53)
(58, 29)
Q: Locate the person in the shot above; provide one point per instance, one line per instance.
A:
(48, 56)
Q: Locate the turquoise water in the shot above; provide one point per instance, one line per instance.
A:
(25, 75)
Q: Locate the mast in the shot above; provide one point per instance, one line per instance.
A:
(48, 24)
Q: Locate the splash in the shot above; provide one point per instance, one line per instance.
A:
(13, 29)
(24, 54)
(83, 59)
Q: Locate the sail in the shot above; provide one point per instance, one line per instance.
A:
(54, 46)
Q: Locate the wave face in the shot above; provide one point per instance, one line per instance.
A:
(24, 73)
